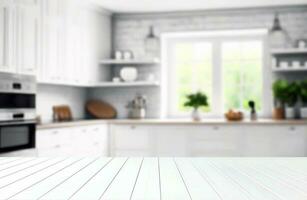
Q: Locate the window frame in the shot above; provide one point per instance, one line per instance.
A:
(217, 38)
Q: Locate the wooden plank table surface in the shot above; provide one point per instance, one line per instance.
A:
(154, 178)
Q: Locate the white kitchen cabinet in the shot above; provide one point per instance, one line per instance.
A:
(75, 141)
(4, 36)
(73, 41)
(27, 45)
(19, 37)
(171, 141)
(215, 140)
(135, 140)
(275, 141)
(208, 140)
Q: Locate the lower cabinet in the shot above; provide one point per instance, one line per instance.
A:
(208, 140)
(76, 141)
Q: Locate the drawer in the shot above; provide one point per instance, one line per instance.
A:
(214, 148)
(131, 137)
(52, 138)
(216, 133)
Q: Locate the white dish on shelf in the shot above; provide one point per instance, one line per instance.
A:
(129, 74)
(296, 64)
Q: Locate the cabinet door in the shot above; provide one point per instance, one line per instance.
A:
(131, 140)
(27, 42)
(55, 142)
(50, 41)
(290, 141)
(4, 29)
(275, 141)
(215, 140)
(171, 140)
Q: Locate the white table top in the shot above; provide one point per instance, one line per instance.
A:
(154, 178)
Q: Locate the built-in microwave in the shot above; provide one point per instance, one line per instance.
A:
(17, 136)
(17, 97)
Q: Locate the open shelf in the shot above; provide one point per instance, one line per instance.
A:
(127, 84)
(278, 69)
(139, 62)
(288, 51)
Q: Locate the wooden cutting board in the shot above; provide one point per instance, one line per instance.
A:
(62, 113)
(100, 109)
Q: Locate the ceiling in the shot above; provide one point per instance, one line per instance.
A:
(137, 6)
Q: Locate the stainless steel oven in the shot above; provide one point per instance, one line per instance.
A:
(17, 112)
(17, 136)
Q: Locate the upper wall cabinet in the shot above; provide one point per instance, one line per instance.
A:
(18, 37)
(74, 35)
(4, 27)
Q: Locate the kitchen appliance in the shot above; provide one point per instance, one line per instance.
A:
(17, 112)
(138, 107)
(17, 135)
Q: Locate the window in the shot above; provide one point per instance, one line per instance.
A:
(227, 66)
(242, 74)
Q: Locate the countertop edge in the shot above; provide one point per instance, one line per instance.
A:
(167, 122)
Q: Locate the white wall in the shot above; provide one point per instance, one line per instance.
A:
(48, 96)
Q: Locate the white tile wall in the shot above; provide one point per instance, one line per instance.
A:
(48, 96)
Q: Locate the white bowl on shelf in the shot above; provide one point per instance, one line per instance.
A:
(129, 74)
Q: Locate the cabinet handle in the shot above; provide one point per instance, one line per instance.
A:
(55, 132)
(57, 146)
(132, 127)
(216, 128)
(292, 128)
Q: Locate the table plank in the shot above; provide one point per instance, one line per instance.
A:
(35, 191)
(73, 184)
(226, 188)
(124, 181)
(255, 189)
(35, 178)
(172, 184)
(21, 166)
(276, 186)
(148, 183)
(5, 181)
(95, 187)
(198, 186)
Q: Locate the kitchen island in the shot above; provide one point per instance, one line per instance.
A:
(153, 178)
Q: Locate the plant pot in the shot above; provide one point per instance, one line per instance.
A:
(196, 115)
(278, 113)
(290, 113)
(304, 112)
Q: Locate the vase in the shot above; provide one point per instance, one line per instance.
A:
(278, 113)
(304, 112)
(196, 115)
(290, 113)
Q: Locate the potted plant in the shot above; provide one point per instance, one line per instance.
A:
(196, 100)
(292, 91)
(279, 91)
(303, 96)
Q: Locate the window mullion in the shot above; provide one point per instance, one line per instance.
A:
(217, 96)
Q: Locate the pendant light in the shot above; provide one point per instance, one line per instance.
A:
(152, 44)
(279, 38)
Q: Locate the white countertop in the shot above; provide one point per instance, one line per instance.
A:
(154, 178)
(169, 122)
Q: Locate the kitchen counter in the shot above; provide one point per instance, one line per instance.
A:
(169, 122)
(153, 178)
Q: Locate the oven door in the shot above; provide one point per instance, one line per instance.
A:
(17, 137)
